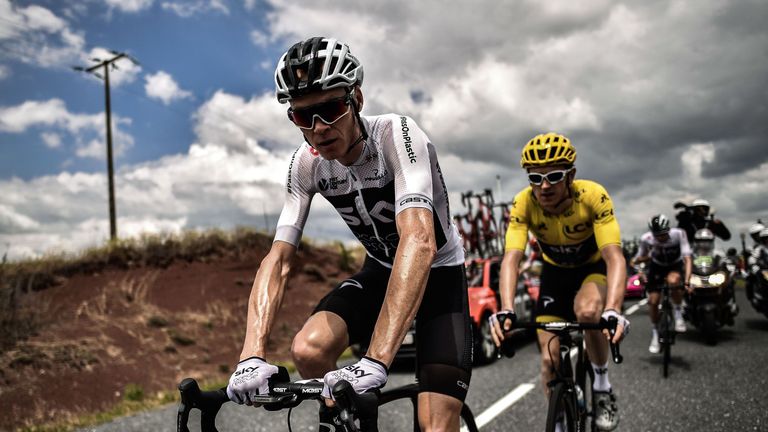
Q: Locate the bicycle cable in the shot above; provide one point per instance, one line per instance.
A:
(289, 419)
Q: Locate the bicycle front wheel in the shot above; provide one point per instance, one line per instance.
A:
(666, 327)
(562, 409)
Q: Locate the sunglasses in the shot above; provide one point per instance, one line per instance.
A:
(552, 177)
(329, 112)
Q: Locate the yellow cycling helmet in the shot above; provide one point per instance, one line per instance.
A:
(548, 149)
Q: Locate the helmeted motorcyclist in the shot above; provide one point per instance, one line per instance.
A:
(704, 245)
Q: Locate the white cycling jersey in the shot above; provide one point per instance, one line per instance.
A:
(397, 169)
(665, 253)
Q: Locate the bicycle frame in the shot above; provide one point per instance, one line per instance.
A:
(566, 389)
(666, 328)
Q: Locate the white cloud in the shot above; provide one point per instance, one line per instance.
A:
(129, 6)
(163, 196)
(35, 35)
(124, 72)
(188, 8)
(53, 114)
(694, 158)
(245, 125)
(5, 72)
(258, 38)
(52, 140)
(162, 86)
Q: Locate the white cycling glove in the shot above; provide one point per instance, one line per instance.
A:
(620, 318)
(367, 374)
(249, 380)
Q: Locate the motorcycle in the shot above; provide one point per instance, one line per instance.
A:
(757, 291)
(710, 305)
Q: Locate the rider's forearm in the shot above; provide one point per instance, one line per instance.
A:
(510, 272)
(264, 303)
(410, 272)
(688, 268)
(616, 275)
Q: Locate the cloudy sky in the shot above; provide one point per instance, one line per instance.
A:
(664, 100)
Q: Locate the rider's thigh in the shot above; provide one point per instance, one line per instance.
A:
(589, 302)
(438, 412)
(323, 338)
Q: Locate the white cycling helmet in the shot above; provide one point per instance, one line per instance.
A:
(764, 234)
(755, 229)
(700, 202)
(316, 64)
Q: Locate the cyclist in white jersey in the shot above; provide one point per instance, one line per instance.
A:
(382, 175)
(669, 252)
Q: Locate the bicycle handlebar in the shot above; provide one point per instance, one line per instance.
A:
(282, 394)
(563, 327)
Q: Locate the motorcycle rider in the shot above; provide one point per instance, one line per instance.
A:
(754, 233)
(704, 245)
(669, 254)
(697, 216)
(758, 260)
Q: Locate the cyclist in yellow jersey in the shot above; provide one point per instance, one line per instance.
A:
(584, 272)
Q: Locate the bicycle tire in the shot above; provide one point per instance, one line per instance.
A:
(665, 335)
(585, 376)
(411, 391)
(561, 400)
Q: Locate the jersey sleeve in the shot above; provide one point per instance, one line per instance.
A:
(411, 161)
(298, 197)
(685, 246)
(644, 248)
(606, 226)
(517, 231)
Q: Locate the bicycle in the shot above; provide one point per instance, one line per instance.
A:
(356, 412)
(503, 221)
(484, 230)
(571, 397)
(666, 328)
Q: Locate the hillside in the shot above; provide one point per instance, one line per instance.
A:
(117, 333)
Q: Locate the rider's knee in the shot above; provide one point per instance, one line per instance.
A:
(306, 349)
(589, 312)
(673, 279)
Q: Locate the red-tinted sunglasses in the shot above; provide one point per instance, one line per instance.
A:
(329, 112)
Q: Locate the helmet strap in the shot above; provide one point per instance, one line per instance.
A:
(363, 133)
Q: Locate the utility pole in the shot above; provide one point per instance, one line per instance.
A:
(107, 65)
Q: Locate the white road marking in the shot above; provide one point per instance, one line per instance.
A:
(520, 391)
(632, 309)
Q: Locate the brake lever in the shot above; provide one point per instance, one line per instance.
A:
(615, 352)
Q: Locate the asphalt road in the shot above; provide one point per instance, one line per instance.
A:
(713, 388)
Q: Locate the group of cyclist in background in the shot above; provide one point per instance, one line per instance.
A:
(382, 175)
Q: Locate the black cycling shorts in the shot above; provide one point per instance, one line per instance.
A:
(559, 286)
(657, 275)
(443, 326)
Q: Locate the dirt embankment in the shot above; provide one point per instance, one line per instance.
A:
(144, 329)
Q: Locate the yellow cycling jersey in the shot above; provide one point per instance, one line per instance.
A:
(572, 238)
